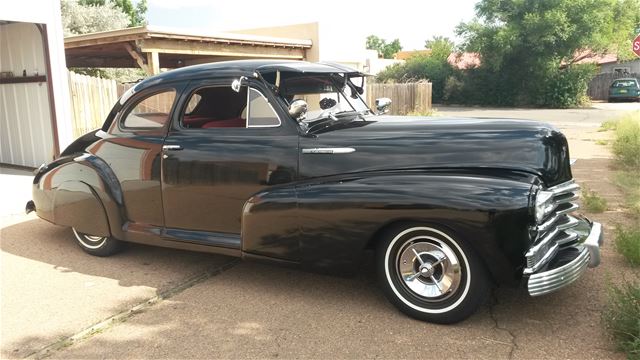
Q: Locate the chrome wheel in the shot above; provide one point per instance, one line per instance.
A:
(430, 273)
(88, 241)
(429, 268)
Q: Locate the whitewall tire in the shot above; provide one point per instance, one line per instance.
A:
(97, 245)
(430, 274)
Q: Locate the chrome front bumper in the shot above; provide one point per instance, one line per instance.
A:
(568, 264)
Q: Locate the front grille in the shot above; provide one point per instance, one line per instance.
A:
(554, 231)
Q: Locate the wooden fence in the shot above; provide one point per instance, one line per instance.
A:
(91, 100)
(599, 85)
(405, 98)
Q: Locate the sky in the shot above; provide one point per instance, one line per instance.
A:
(412, 22)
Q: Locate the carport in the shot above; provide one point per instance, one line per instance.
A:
(151, 48)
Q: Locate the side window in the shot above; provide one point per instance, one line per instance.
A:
(215, 107)
(151, 112)
(261, 113)
(193, 102)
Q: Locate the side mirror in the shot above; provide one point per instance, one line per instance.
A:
(237, 83)
(382, 105)
(298, 109)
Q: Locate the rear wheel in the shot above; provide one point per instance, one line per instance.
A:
(429, 274)
(97, 245)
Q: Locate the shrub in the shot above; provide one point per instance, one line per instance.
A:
(626, 145)
(628, 244)
(431, 68)
(566, 87)
(622, 317)
(593, 202)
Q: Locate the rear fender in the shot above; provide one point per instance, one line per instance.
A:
(76, 204)
(80, 190)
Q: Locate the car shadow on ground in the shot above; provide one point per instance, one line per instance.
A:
(136, 265)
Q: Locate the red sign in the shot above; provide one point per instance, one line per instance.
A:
(636, 45)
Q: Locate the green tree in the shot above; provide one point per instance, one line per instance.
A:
(82, 19)
(385, 50)
(531, 45)
(136, 14)
(441, 47)
(434, 67)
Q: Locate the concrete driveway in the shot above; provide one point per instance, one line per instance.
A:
(157, 303)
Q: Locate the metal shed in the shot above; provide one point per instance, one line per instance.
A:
(34, 95)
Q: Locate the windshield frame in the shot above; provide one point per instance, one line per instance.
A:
(339, 82)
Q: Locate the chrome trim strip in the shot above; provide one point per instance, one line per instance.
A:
(345, 150)
(552, 280)
(542, 243)
(571, 236)
(572, 208)
(566, 187)
(571, 223)
(548, 256)
(568, 225)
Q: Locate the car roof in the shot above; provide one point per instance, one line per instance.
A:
(625, 79)
(244, 68)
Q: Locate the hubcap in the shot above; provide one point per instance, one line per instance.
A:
(429, 268)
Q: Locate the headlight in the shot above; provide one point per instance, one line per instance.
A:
(544, 205)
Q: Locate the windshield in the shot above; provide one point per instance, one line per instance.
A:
(624, 83)
(325, 94)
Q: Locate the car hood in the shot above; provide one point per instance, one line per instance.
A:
(396, 142)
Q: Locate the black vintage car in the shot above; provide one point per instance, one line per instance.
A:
(284, 162)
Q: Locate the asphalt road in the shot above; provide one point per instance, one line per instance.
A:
(158, 303)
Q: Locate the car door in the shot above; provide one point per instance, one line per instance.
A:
(132, 150)
(218, 155)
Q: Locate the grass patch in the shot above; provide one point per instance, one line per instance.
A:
(622, 317)
(593, 202)
(608, 125)
(628, 244)
(602, 142)
(626, 145)
(629, 183)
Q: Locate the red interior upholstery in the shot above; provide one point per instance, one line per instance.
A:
(237, 122)
(195, 121)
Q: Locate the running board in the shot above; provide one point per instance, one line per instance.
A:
(229, 241)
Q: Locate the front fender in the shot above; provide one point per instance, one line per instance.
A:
(80, 190)
(339, 216)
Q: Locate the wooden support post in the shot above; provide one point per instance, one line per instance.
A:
(153, 62)
(138, 58)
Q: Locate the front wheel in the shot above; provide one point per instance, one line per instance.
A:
(97, 245)
(431, 275)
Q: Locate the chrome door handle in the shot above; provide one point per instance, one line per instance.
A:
(344, 150)
(171, 147)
